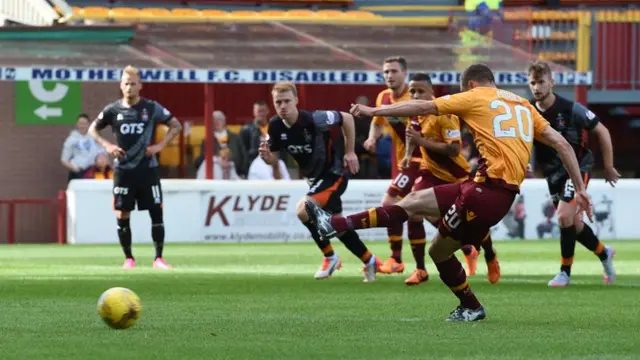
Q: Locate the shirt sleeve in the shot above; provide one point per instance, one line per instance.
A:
(584, 117)
(450, 129)
(105, 117)
(161, 114)
(325, 120)
(457, 104)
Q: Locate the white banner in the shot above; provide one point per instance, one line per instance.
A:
(265, 76)
(265, 211)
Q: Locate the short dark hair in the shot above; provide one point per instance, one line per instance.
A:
(420, 76)
(478, 72)
(399, 59)
(539, 69)
(83, 115)
(260, 103)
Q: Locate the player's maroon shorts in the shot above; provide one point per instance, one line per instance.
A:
(470, 209)
(402, 184)
(427, 180)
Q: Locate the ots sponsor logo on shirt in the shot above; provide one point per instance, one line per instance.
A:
(134, 129)
(299, 149)
(590, 115)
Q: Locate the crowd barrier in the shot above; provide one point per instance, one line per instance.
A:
(257, 211)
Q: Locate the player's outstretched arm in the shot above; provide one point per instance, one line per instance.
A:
(554, 139)
(349, 131)
(606, 147)
(407, 108)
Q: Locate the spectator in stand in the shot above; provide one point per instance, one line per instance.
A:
(101, 169)
(79, 150)
(367, 160)
(228, 148)
(223, 167)
(383, 156)
(253, 133)
(260, 170)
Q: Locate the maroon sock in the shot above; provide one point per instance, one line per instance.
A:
(454, 276)
(394, 233)
(466, 250)
(487, 246)
(418, 241)
(383, 216)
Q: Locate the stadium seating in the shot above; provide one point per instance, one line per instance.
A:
(197, 134)
(128, 14)
(170, 155)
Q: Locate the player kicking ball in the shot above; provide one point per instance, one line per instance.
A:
(136, 180)
(322, 144)
(503, 126)
(438, 138)
(574, 122)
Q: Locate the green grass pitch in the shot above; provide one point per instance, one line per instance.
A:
(261, 302)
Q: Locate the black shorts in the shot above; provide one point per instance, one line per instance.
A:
(562, 190)
(141, 186)
(326, 190)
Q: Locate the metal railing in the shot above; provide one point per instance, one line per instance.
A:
(33, 220)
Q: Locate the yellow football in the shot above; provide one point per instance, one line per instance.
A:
(119, 307)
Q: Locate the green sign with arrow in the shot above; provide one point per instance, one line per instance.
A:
(47, 102)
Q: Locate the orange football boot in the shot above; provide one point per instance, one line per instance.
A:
(417, 277)
(493, 273)
(392, 266)
(472, 261)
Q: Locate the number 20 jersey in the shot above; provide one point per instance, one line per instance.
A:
(503, 126)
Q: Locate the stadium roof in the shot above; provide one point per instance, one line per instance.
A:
(271, 45)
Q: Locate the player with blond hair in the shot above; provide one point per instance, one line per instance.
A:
(322, 144)
(503, 126)
(133, 120)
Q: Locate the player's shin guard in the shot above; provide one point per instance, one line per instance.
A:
(454, 276)
(487, 246)
(382, 216)
(351, 241)
(323, 245)
(394, 233)
(567, 247)
(124, 235)
(157, 230)
(418, 241)
(587, 238)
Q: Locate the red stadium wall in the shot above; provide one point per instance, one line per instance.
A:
(186, 101)
(617, 55)
(236, 100)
